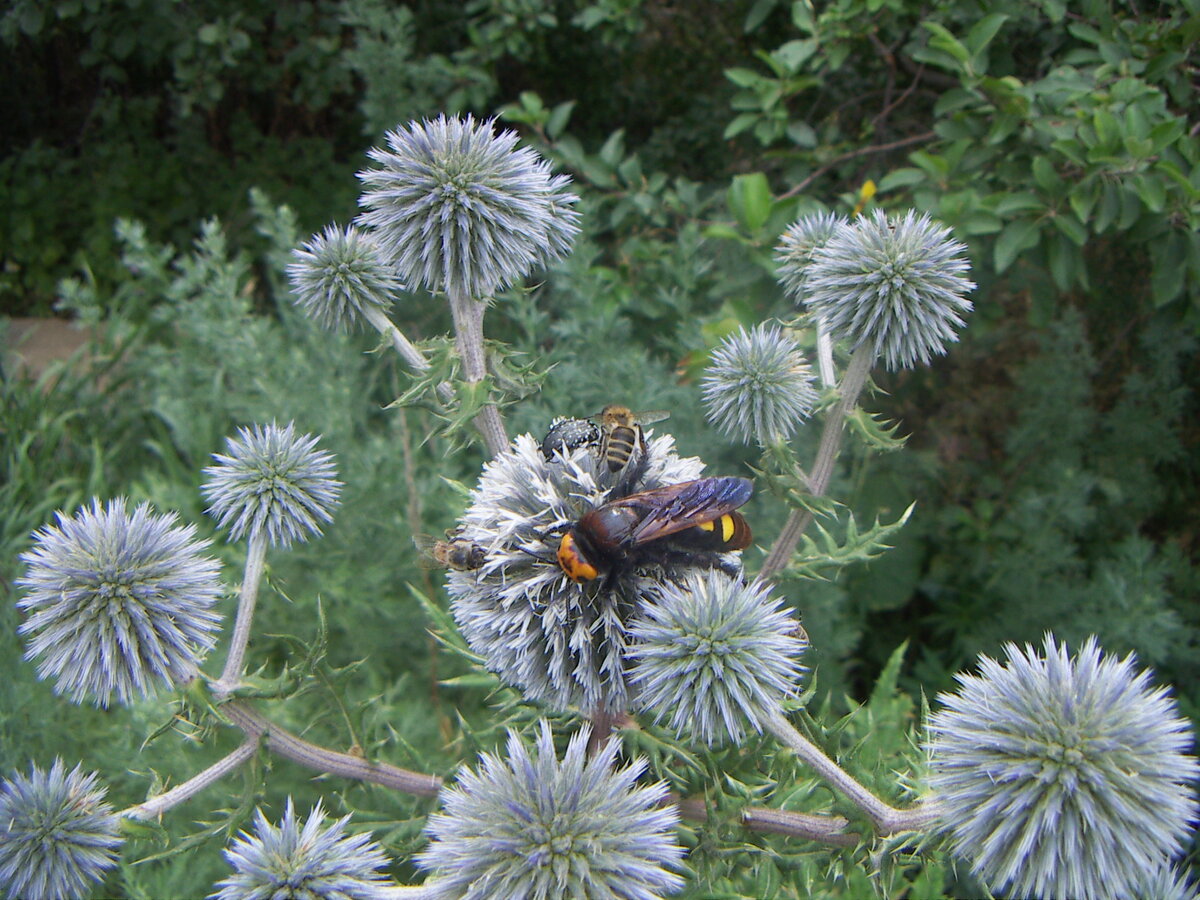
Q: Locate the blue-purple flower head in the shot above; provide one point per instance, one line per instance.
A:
(758, 386)
(316, 860)
(117, 602)
(58, 836)
(528, 827)
(713, 655)
(272, 481)
(796, 247)
(895, 285)
(338, 278)
(457, 208)
(1062, 777)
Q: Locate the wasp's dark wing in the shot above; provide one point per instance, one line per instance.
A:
(679, 506)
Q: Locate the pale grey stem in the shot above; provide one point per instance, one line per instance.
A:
(818, 481)
(156, 806)
(347, 765)
(887, 819)
(825, 355)
(468, 337)
(256, 555)
(405, 892)
(825, 829)
(408, 352)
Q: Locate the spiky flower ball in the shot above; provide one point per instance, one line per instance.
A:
(712, 654)
(1167, 883)
(797, 245)
(460, 209)
(315, 861)
(1062, 777)
(895, 285)
(529, 827)
(338, 277)
(57, 834)
(117, 601)
(561, 643)
(272, 480)
(758, 386)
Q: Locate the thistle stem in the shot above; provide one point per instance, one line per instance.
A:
(468, 337)
(408, 352)
(156, 806)
(887, 819)
(818, 481)
(256, 555)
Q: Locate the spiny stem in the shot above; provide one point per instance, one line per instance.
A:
(256, 555)
(887, 819)
(818, 481)
(468, 337)
(408, 352)
(156, 806)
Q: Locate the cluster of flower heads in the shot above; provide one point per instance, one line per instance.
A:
(1063, 777)
(893, 284)
(529, 827)
(117, 602)
(57, 834)
(759, 386)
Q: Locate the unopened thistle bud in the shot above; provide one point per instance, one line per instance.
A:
(57, 834)
(272, 480)
(1062, 777)
(117, 601)
(460, 209)
(895, 285)
(531, 826)
(338, 276)
(758, 386)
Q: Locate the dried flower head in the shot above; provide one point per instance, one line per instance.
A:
(712, 653)
(1062, 777)
(339, 276)
(117, 601)
(559, 642)
(313, 861)
(796, 247)
(272, 479)
(57, 835)
(529, 827)
(758, 386)
(896, 285)
(461, 209)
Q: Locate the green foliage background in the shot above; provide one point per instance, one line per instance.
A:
(1053, 453)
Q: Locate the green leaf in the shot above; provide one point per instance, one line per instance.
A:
(943, 40)
(982, 33)
(740, 123)
(1020, 202)
(1017, 236)
(818, 558)
(558, 119)
(900, 178)
(794, 54)
(1071, 227)
(749, 200)
(1044, 175)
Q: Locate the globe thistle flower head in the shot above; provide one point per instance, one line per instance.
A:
(895, 285)
(1062, 777)
(712, 654)
(758, 386)
(57, 834)
(1167, 883)
(314, 861)
(272, 480)
(338, 276)
(529, 826)
(797, 245)
(117, 601)
(559, 642)
(460, 209)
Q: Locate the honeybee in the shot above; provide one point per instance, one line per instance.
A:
(567, 434)
(451, 553)
(681, 523)
(622, 430)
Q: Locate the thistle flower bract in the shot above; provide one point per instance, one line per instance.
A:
(758, 386)
(895, 285)
(559, 642)
(1167, 883)
(338, 276)
(117, 600)
(796, 247)
(531, 828)
(711, 654)
(272, 479)
(1062, 777)
(460, 209)
(316, 861)
(57, 835)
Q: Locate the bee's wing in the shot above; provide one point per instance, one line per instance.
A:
(679, 506)
(649, 416)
